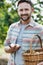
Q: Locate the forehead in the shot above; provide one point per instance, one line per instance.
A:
(24, 5)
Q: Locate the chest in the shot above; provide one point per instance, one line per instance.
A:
(25, 33)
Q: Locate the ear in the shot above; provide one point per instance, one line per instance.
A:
(32, 9)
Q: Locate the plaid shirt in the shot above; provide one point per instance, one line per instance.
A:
(22, 35)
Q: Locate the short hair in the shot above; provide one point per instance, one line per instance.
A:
(27, 1)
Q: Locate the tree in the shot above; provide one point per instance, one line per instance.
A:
(38, 10)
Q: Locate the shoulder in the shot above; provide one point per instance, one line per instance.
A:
(13, 25)
(38, 25)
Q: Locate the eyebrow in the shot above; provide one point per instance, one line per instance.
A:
(25, 9)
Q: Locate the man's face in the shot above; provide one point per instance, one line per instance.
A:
(24, 11)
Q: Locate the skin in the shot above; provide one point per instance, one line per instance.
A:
(24, 11)
(12, 49)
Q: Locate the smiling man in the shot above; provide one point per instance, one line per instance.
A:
(21, 33)
(25, 10)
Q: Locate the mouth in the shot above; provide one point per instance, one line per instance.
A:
(25, 17)
(24, 14)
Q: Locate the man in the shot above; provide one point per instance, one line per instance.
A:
(21, 33)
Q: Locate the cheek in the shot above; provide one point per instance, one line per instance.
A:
(19, 13)
(29, 12)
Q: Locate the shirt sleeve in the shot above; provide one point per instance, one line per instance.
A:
(8, 37)
(41, 35)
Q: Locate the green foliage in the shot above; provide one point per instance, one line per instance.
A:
(8, 17)
(38, 8)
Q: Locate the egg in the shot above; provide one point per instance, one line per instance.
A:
(37, 52)
(12, 45)
(17, 45)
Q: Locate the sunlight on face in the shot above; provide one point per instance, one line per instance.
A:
(24, 11)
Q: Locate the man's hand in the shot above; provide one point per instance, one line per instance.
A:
(12, 48)
(41, 63)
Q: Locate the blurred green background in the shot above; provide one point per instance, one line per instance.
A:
(9, 15)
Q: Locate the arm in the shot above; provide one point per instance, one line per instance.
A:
(7, 43)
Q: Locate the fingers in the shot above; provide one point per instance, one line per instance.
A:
(17, 47)
(14, 47)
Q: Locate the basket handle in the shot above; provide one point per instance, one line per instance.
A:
(31, 51)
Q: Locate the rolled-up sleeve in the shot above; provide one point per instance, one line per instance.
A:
(8, 37)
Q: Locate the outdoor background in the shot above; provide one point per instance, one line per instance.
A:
(8, 15)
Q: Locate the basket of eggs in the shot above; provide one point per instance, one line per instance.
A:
(33, 57)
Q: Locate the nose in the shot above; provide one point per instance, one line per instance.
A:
(23, 12)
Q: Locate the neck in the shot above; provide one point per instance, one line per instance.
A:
(26, 22)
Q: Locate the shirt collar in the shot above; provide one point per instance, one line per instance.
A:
(29, 24)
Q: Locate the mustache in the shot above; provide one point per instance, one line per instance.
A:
(24, 14)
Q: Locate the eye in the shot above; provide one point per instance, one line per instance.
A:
(21, 9)
(26, 9)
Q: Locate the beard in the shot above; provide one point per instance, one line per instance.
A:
(26, 17)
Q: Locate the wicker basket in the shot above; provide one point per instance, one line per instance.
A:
(33, 57)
